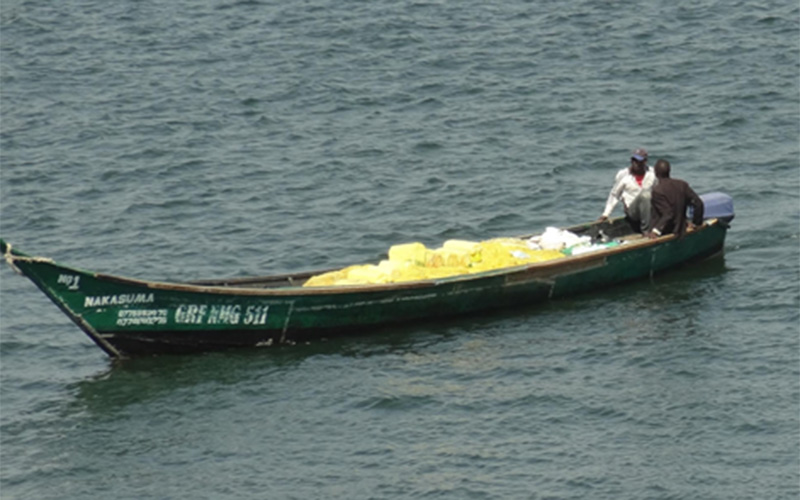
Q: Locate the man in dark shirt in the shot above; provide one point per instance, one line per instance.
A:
(669, 200)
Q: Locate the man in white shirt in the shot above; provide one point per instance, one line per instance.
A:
(632, 186)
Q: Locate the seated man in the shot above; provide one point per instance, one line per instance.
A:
(670, 198)
(632, 185)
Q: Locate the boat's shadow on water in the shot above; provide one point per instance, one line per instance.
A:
(138, 380)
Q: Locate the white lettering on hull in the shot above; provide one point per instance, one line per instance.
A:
(122, 299)
(256, 315)
(135, 317)
(71, 281)
(224, 315)
(218, 314)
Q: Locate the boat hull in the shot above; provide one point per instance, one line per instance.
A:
(128, 317)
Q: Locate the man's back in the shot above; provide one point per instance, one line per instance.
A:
(670, 198)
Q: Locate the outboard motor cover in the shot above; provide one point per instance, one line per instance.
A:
(716, 206)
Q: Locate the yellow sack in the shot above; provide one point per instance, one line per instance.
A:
(367, 274)
(328, 279)
(464, 247)
(408, 252)
(442, 257)
(507, 252)
(401, 271)
(409, 273)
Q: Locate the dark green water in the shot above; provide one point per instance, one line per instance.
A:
(177, 140)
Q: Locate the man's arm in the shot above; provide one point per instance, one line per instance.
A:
(662, 212)
(613, 196)
(698, 208)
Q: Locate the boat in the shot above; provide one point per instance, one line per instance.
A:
(129, 317)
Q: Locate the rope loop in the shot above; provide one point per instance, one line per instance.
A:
(11, 259)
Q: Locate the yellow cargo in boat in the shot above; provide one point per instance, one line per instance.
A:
(412, 262)
(367, 273)
(507, 252)
(330, 278)
(442, 257)
(471, 248)
(408, 252)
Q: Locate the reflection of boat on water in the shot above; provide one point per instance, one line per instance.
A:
(146, 379)
(129, 317)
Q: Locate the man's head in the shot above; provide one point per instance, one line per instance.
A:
(639, 155)
(662, 169)
(639, 161)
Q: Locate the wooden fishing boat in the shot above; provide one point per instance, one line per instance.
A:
(130, 317)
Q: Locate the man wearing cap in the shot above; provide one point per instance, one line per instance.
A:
(632, 185)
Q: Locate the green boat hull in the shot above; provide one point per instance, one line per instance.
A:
(129, 317)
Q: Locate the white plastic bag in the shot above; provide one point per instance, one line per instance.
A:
(554, 238)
